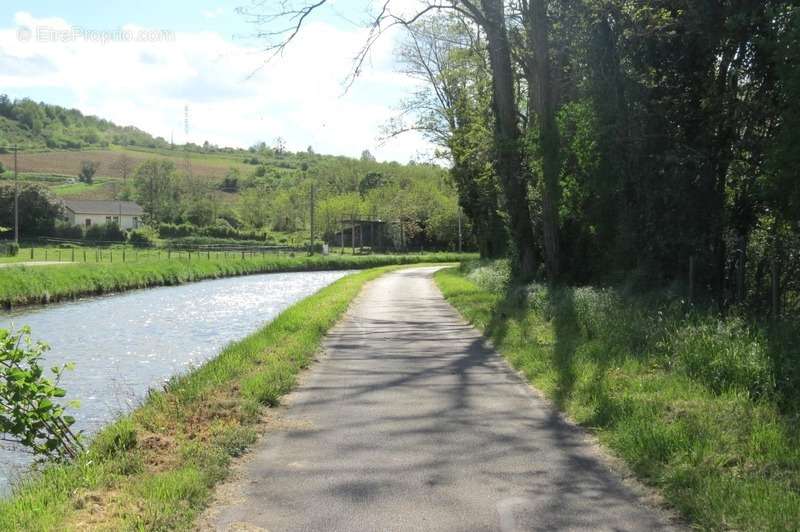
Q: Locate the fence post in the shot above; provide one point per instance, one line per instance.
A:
(84, 255)
(31, 250)
(45, 253)
(73, 254)
(123, 253)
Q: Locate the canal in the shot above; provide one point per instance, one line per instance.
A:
(124, 344)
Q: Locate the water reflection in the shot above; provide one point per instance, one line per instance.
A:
(122, 345)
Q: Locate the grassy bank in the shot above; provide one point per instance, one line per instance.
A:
(704, 408)
(43, 284)
(155, 468)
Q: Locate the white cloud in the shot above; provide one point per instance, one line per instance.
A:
(145, 80)
(212, 13)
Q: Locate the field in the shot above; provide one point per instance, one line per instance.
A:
(68, 162)
(58, 169)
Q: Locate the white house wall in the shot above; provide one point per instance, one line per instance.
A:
(126, 222)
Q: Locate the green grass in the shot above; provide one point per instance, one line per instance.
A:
(21, 285)
(77, 189)
(701, 407)
(155, 468)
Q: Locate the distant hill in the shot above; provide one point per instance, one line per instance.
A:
(34, 125)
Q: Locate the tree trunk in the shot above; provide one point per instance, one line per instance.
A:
(508, 157)
(537, 30)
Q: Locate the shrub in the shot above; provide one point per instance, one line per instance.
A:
(166, 230)
(9, 249)
(143, 237)
(28, 414)
(68, 231)
(105, 233)
(492, 276)
(87, 171)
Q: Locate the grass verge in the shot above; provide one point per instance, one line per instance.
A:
(698, 406)
(155, 468)
(44, 284)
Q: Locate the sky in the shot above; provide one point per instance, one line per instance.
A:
(142, 62)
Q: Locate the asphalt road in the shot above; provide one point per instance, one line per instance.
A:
(411, 423)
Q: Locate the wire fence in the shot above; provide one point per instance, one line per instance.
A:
(64, 250)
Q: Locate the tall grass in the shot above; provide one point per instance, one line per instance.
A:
(703, 407)
(20, 285)
(155, 468)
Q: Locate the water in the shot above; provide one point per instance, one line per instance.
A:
(122, 345)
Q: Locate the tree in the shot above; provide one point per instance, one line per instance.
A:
(38, 211)
(279, 146)
(156, 189)
(452, 110)
(371, 180)
(508, 158)
(88, 171)
(123, 166)
(367, 157)
(254, 207)
(541, 95)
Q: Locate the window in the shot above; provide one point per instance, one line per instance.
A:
(116, 219)
(88, 222)
(108, 219)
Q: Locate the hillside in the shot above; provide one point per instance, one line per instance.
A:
(260, 187)
(33, 125)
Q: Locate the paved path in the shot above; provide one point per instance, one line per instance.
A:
(412, 424)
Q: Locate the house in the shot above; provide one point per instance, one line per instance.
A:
(87, 213)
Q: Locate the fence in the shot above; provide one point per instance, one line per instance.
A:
(63, 250)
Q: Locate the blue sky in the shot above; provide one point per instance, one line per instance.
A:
(207, 58)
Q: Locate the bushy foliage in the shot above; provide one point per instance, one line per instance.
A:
(67, 231)
(143, 237)
(723, 354)
(87, 171)
(110, 232)
(221, 229)
(491, 276)
(29, 414)
(37, 210)
(9, 249)
(42, 125)
(167, 230)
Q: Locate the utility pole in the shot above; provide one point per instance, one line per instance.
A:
(16, 198)
(312, 219)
